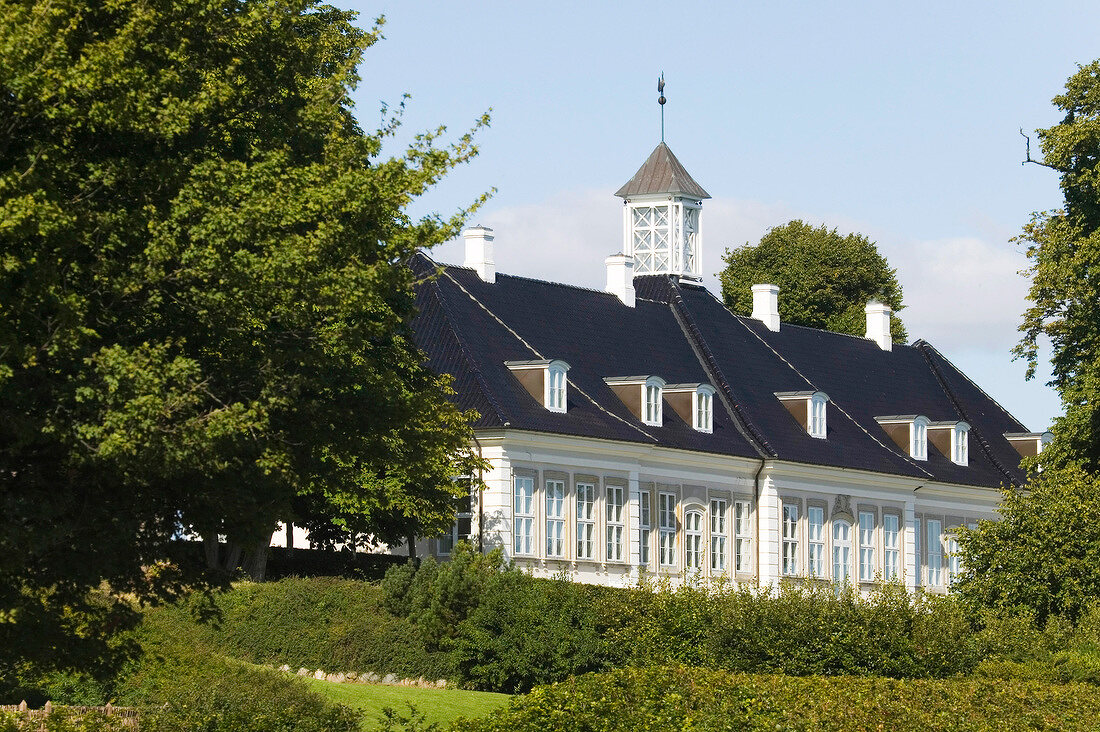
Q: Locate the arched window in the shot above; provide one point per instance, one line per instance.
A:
(693, 541)
(651, 409)
(556, 386)
(960, 443)
(842, 551)
(817, 424)
(918, 439)
(704, 408)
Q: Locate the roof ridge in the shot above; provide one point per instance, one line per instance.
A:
(710, 366)
(532, 279)
(925, 349)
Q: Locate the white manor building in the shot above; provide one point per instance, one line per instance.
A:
(648, 429)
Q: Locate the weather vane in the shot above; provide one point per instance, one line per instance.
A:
(661, 100)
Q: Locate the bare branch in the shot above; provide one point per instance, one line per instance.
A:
(1027, 149)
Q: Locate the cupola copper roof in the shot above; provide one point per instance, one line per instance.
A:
(662, 173)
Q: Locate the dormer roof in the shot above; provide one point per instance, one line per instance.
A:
(662, 173)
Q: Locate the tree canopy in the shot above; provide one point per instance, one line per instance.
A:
(204, 311)
(1064, 250)
(825, 279)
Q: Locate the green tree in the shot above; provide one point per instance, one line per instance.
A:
(1043, 556)
(204, 312)
(1064, 249)
(825, 280)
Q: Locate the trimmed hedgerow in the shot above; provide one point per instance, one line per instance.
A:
(692, 698)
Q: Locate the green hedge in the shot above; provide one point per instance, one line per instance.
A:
(689, 698)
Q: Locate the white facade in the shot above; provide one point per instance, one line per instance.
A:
(726, 519)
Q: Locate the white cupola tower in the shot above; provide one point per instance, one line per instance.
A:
(661, 212)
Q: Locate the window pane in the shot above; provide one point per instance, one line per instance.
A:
(555, 518)
(866, 547)
(815, 522)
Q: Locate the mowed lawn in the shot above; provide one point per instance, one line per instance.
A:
(437, 705)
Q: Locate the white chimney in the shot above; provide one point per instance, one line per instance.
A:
(620, 277)
(878, 324)
(479, 252)
(765, 305)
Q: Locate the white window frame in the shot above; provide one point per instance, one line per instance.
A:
(789, 530)
(960, 444)
(556, 386)
(702, 409)
(694, 553)
(842, 551)
(891, 546)
(615, 506)
(445, 543)
(653, 401)
(586, 520)
(718, 507)
(666, 529)
(645, 526)
(815, 541)
(555, 518)
(523, 515)
(647, 259)
(954, 558)
(918, 438)
(934, 528)
(818, 424)
(742, 536)
(867, 567)
(916, 551)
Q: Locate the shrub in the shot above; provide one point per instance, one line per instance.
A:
(681, 697)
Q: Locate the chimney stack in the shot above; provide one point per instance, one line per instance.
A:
(479, 252)
(620, 277)
(765, 305)
(878, 324)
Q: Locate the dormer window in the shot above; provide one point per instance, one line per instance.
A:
(809, 408)
(643, 395)
(918, 439)
(909, 432)
(545, 380)
(960, 443)
(1029, 444)
(704, 409)
(653, 412)
(555, 386)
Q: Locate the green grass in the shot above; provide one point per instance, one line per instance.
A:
(437, 705)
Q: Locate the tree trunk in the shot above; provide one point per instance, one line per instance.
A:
(210, 547)
(232, 556)
(411, 538)
(289, 539)
(255, 561)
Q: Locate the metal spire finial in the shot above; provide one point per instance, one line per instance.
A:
(661, 100)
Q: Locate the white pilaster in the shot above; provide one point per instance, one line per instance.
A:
(767, 531)
(912, 561)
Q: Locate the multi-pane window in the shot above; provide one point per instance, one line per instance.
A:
(666, 529)
(586, 519)
(918, 446)
(815, 540)
(842, 551)
(555, 390)
(651, 239)
(704, 411)
(790, 539)
(615, 524)
(523, 510)
(460, 529)
(718, 535)
(891, 549)
(960, 445)
(954, 563)
(693, 540)
(645, 523)
(691, 237)
(653, 404)
(817, 416)
(866, 546)
(935, 552)
(555, 518)
(742, 537)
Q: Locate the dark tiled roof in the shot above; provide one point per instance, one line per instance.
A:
(682, 333)
(662, 173)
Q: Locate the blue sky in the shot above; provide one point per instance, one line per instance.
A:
(897, 122)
